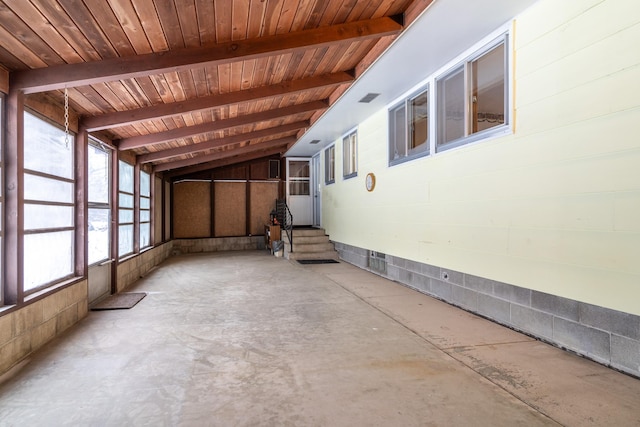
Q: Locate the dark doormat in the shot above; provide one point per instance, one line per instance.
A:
(318, 261)
(119, 301)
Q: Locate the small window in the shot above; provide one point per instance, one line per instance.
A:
(49, 204)
(350, 155)
(330, 165)
(472, 98)
(299, 178)
(99, 207)
(409, 129)
(145, 210)
(125, 209)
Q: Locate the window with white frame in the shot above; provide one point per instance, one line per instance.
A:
(409, 128)
(1, 201)
(471, 99)
(145, 210)
(125, 209)
(49, 204)
(99, 219)
(350, 155)
(330, 165)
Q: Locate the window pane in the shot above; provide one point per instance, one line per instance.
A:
(419, 124)
(45, 149)
(329, 164)
(98, 235)
(125, 215)
(145, 187)
(450, 105)
(125, 177)
(145, 203)
(299, 169)
(47, 190)
(125, 200)
(125, 240)
(45, 216)
(350, 154)
(145, 215)
(98, 175)
(299, 188)
(398, 131)
(488, 89)
(47, 257)
(145, 235)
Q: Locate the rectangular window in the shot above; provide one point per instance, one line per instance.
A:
(299, 178)
(125, 209)
(409, 129)
(1, 201)
(472, 98)
(350, 155)
(330, 165)
(145, 210)
(99, 207)
(49, 204)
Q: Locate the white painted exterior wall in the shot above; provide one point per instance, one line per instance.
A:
(553, 207)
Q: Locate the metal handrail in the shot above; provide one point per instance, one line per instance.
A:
(284, 216)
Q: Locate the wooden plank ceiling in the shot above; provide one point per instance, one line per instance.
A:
(186, 82)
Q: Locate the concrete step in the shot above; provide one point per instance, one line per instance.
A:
(308, 232)
(310, 239)
(312, 247)
(313, 255)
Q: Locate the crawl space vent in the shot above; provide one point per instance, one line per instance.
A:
(378, 262)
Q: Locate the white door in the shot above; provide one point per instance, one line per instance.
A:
(299, 196)
(315, 181)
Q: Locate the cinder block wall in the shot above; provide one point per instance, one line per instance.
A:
(604, 335)
(24, 331)
(134, 268)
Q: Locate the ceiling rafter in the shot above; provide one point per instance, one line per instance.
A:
(247, 119)
(87, 73)
(234, 155)
(215, 143)
(122, 118)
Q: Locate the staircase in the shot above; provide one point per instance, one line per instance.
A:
(310, 243)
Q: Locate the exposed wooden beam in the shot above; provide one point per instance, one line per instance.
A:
(121, 118)
(278, 145)
(260, 154)
(73, 75)
(184, 132)
(215, 143)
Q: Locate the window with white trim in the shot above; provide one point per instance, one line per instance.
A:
(409, 128)
(145, 210)
(1, 200)
(125, 209)
(472, 98)
(330, 165)
(350, 155)
(49, 204)
(99, 219)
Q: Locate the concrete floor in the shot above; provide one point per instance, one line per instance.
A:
(243, 339)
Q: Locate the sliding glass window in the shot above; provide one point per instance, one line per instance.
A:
(125, 209)
(145, 210)
(49, 204)
(99, 206)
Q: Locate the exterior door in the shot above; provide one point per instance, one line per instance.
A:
(299, 197)
(317, 199)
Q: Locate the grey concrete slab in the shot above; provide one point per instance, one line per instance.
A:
(245, 338)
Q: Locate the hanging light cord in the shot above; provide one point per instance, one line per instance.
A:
(66, 117)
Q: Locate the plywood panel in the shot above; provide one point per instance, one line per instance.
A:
(230, 209)
(191, 209)
(263, 199)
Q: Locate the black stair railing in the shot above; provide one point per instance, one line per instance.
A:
(283, 214)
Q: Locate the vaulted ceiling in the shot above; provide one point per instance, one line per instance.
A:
(196, 82)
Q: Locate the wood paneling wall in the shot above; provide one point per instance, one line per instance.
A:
(191, 209)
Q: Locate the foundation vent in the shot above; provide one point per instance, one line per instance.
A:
(378, 262)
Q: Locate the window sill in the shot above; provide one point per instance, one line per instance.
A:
(408, 158)
(351, 175)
